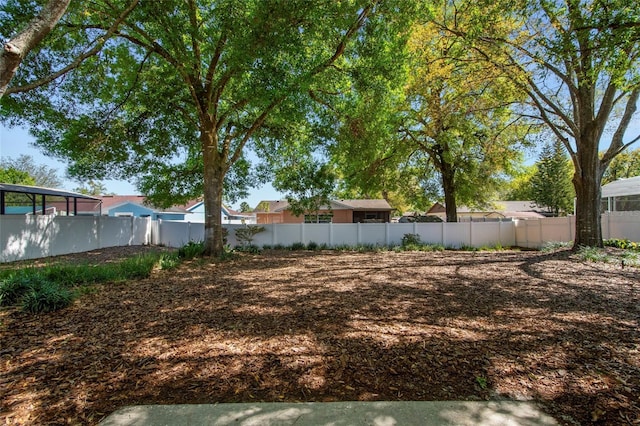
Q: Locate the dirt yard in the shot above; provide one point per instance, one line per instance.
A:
(325, 326)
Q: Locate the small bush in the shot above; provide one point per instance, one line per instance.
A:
(411, 240)
(246, 234)
(593, 254)
(191, 249)
(46, 297)
(267, 247)
(622, 244)
(15, 286)
(312, 245)
(297, 246)
(279, 247)
(249, 249)
(169, 261)
(137, 267)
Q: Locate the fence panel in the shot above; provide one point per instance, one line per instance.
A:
(30, 237)
(458, 234)
(621, 225)
(344, 234)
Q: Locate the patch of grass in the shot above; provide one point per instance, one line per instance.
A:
(250, 248)
(312, 245)
(47, 296)
(191, 250)
(15, 285)
(169, 261)
(593, 254)
(54, 287)
(555, 245)
(297, 246)
(481, 381)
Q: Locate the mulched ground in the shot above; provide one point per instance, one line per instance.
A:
(325, 326)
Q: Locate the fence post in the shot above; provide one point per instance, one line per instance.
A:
(541, 243)
(98, 227)
(471, 233)
(358, 233)
(302, 233)
(386, 234)
(330, 234)
(274, 236)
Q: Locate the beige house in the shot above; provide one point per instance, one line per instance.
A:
(340, 211)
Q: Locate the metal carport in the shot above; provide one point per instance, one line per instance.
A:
(34, 192)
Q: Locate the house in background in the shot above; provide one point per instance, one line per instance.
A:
(339, 211)
(196, 214)
(137, 206)
(499, 210)
(622, 195)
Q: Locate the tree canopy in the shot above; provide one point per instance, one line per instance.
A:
(179, 92)
(409, 99)
(578, 62)
(551, 183)
(30, 173)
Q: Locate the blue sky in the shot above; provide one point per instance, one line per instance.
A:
(17, 141)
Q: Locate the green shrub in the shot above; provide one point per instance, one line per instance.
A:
(279, 247)
(249, 249)
(592, 254)
(622, 244)
(137, 267)
(16, 285)
(267, 247)
(46, 297)
(191, 249)
(168, 261)
(297, 246)
(312, 245)
(246, 234)
(411, 240)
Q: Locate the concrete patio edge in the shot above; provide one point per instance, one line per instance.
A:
(382, 413)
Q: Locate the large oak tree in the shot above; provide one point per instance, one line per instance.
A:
(578, 61)
(181, 90)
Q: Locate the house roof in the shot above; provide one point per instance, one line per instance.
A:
(622, 187)
(275, 206)
(112, 201)
(27, 189)
(496, 206)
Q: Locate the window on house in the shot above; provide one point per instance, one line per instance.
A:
(321, 218)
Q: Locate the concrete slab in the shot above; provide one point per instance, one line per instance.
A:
(380, 413)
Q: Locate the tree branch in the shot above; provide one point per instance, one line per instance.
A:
(80, 59)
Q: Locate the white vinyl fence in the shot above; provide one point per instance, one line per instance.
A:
(31, 237)
(523, 233)
(536, 233)
(472, 234)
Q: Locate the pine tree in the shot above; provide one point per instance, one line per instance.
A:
(551, 184)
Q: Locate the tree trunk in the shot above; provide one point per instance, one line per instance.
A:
(448, 185)
(587, 181)
(16, 49)
(213, 181)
